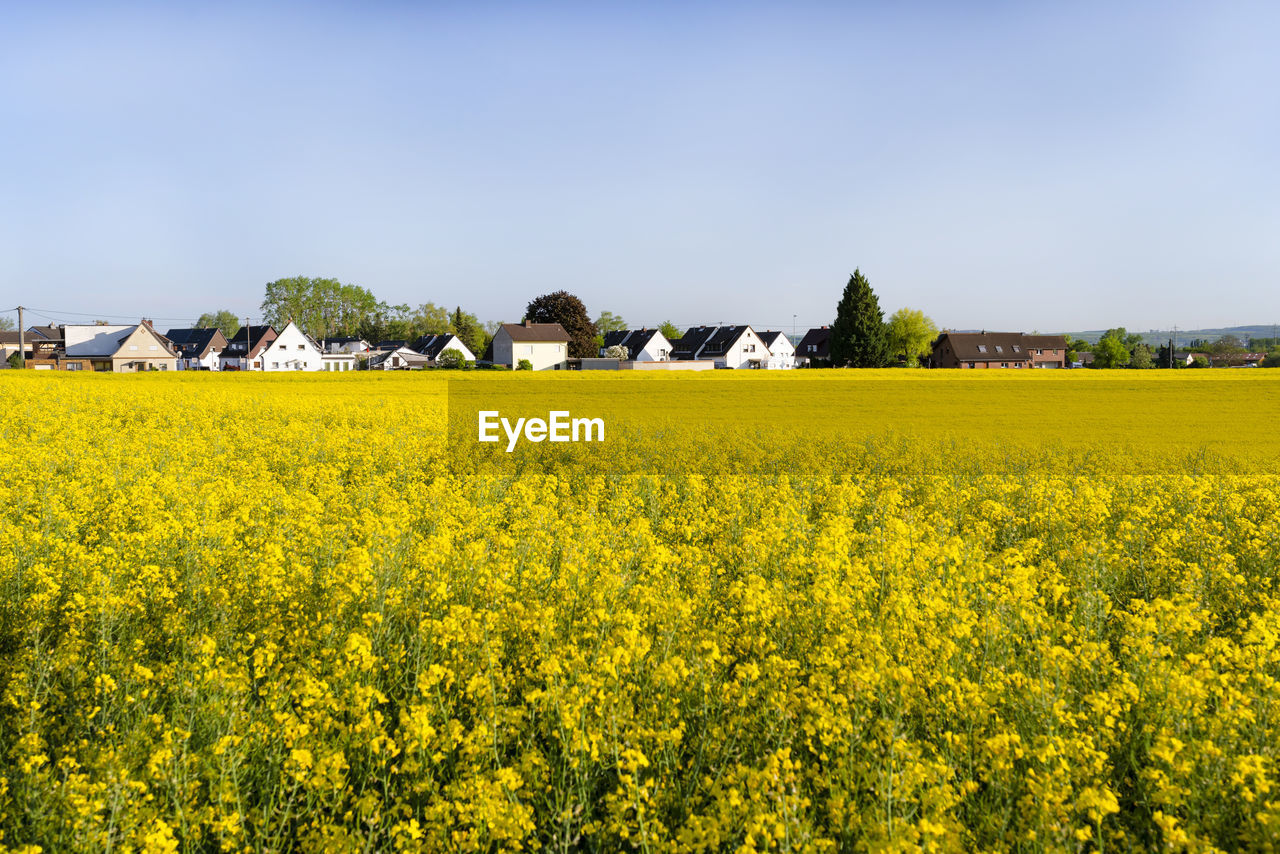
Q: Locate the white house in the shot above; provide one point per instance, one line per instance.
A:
(544, 345)
(432, 346)
(337, 361)
(726, 346)
(345, 345)
(292, 350)
(782, 353)
(643, 345)
(399, 359)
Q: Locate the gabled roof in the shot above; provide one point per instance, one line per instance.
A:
(50, 333)
(691, 342)
(432, 346)
(1046, 342)
(722, 339)
(196, 343)
(987, 346)
(255, 335)
(819, 337)
(634, 340)
(772, 337)
(534, 332)
(7, 337)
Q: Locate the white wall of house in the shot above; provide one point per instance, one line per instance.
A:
(744, 350)
(782, 355)
(657, 350)
(292, 351)
(543, 355)
(455, 343)
(208, 362)
(337, 362)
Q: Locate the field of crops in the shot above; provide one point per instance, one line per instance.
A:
(951, 612)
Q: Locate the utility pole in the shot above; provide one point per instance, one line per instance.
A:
(22, 341)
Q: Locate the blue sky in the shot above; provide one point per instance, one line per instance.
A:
(1015, 166)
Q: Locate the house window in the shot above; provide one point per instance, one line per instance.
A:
(999, 349)
(275, 364)
(73, 366)
(133, 347)
(1016, 348)
(526, 349)
(1004, 364)
(1039, 352)
(257, 364)
(982, 348)
(302, 346)
(153, 347)
(973, 364)
(281, 346)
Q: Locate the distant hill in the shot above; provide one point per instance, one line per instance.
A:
(1160, 336)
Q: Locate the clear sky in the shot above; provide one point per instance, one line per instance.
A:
(1020, 166)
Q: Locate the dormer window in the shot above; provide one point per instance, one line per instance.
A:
(1017, 349)
(982, 348)
(999, 349)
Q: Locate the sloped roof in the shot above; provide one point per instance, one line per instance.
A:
(819, 337)
(722, 339)
(534, 332)
(255, 336)
(634, 340)
(987, 346)
(691, 342)
(196, 343)
(1046, 342)
(432, 346)
(51, 333)
(772, 337)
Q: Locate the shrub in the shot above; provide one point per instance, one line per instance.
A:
(451, 360)
(524, 365)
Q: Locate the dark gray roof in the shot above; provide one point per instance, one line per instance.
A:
(722, 339)
(691, 342)
(253, 334)
(536, 332)
(634, 340)
(51, 333)
(819, 338)
(432, 346)
(196, 343)
(770, 337)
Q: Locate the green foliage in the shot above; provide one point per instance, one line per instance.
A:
(1272, 360)
(470, 331)
(858, 334)
(1198, 362)
(524, 365)
(1110, 352)
(617, 351)
(609, 322)
(567, 310)
(225, 320)
(322, 308)
(1227, 346)
(1141, 357)
(6, 324)
(909, 335)
(15, 359)
(451, 360)
(669, 330)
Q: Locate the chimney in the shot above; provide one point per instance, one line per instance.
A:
(527, 323)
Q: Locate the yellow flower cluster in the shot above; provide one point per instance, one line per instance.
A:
(268, 613)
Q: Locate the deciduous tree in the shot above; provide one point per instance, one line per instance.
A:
(909, 334)
(225, 320)
(567, 310)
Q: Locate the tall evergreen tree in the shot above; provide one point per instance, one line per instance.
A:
(858, 335)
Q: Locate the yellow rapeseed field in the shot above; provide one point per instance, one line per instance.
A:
(827, 611)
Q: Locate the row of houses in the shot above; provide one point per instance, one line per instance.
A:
(544, 346)
(140, 347)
